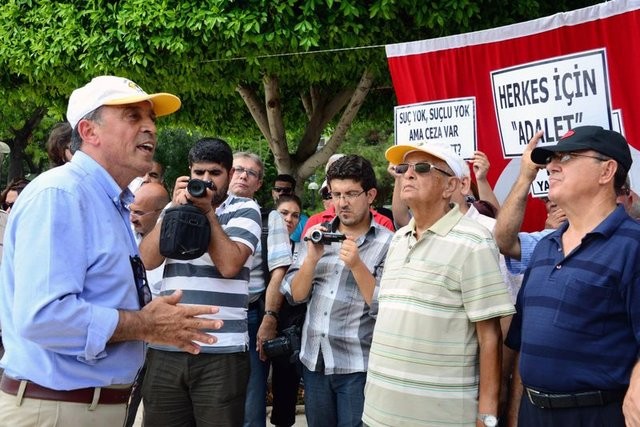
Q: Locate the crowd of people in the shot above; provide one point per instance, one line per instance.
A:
(440, 312)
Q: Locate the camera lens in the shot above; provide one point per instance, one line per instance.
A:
(197, 187)
(316, 236)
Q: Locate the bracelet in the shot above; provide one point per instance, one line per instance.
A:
(271, 313)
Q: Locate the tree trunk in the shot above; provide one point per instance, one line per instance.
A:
(320, 109)
(19, 143)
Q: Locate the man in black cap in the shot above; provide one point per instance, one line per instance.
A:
(577, 326)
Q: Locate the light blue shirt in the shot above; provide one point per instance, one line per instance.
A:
(528, 242)
(66, 271)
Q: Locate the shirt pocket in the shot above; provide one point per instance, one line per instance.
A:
(583, 308)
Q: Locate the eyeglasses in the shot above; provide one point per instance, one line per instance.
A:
(349, 196)
(6, 206)
(140, 277)
(420, 168)
(250, 172)
(139, 214)
(282, 190)
(565, 157)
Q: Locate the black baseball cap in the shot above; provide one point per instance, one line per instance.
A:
(607, 142)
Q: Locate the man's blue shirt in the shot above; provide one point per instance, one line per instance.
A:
(528, 242)
(578, 317)
(66, 271)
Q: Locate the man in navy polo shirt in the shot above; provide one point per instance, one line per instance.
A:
(578, 322)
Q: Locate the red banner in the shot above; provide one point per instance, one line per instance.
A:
(555, 73)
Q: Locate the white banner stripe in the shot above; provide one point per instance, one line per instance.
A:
(580, 16)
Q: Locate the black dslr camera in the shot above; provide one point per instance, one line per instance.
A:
(287, 344)
(325, 237)
(197, 187)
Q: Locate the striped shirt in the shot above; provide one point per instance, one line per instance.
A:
(424, 365)
(512, 280)
(202, 283)
(578, 322)
(339, 323)
(528, 242)
(278, 254)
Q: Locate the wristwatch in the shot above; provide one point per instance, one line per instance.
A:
(489, 420)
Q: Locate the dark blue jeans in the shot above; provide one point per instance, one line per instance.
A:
(182, 389)
(255, 407)
(333, 400)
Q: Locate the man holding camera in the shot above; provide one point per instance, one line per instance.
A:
(340, 281)
(180, 388)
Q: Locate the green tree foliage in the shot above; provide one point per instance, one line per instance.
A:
(296, 59)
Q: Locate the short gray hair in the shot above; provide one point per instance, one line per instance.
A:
(253, 157)
(76, 141)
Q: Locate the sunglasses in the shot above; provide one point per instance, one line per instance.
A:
(283, 190)
(140, 277)
(420, 168)
(6, 206)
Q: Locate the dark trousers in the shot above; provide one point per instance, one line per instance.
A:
(286, 374)
(255, 406)
(285, 380)
(591, 416)
(181, 389)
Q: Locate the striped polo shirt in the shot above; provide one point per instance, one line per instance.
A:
(424, 367)
(202, 283)
(578, 321)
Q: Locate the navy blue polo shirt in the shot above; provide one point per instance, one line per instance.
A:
(577, 325)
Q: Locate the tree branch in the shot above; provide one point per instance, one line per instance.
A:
(278, 140)
(357, 99)
(255, 108)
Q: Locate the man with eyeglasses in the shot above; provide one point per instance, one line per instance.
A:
(340, 282)
(577, 327)
(147, 204)
(330, 212)
(272, 257)
(73, 298)
(435, 355)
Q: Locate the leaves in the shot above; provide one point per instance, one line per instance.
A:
(202, 49)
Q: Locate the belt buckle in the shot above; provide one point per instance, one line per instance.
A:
(538, 399)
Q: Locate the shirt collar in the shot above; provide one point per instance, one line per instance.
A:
(373, 225)
(442, 226)
(102, 178)
(606, 228)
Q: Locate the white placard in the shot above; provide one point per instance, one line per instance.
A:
(554, 95)
(452, 121)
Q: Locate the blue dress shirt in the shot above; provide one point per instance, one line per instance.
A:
(65, 274)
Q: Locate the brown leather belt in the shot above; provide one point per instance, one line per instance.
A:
(108, 396)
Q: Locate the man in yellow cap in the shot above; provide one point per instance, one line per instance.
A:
(435, 355)
(74, 302)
